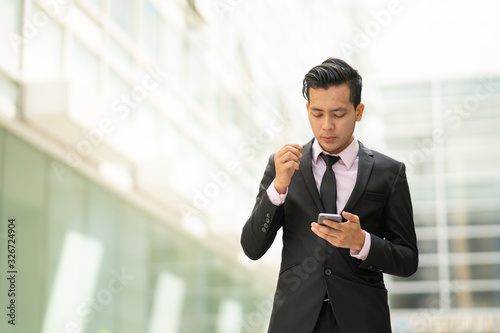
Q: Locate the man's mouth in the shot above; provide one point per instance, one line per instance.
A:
(329, 138)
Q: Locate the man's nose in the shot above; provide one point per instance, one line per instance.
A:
(328, 123)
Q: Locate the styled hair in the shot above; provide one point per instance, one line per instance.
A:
(334, 72)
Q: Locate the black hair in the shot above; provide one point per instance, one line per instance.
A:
(334, 72)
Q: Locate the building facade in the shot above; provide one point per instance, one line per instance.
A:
(133, 135)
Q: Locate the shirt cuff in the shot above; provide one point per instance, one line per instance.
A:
(363, 254)
(273, 195)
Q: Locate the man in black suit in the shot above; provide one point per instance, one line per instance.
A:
(330, 277)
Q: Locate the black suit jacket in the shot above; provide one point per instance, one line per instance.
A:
(311, 267)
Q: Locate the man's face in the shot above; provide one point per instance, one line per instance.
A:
(333, 117)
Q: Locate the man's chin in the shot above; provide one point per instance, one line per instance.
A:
(329, 147)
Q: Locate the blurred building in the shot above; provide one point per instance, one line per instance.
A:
(116, 119)
(446, 132)
(133, 135)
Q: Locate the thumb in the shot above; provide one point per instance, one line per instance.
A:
(350, 217)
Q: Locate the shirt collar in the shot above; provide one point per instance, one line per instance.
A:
(348, 155)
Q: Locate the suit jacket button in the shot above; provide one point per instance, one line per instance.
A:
(328, 272)
(263, 229)
(266, 225)
(268, 215)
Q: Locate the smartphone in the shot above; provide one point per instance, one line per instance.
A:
(332, 217)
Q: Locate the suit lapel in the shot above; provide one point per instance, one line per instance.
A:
(365, 166)
(307, 174)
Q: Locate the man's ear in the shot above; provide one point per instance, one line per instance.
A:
(307, 107)
(359, 111)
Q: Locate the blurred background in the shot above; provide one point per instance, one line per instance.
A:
(134, 134)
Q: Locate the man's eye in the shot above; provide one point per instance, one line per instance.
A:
(339, 115)
(317, 114)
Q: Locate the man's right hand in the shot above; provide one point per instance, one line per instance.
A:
(286, 161)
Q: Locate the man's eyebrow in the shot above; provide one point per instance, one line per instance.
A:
(340, 108)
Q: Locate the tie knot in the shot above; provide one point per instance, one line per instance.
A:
(329, 159)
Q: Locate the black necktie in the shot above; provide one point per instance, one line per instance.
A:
(328, 188)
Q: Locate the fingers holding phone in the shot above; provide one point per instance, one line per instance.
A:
(345, 235)
(325, 216)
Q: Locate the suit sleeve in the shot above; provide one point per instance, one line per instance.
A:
(396, 253)
(260, 229)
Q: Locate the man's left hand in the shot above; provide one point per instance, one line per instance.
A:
(346, 234)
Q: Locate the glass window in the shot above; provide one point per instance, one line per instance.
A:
(461, 213)
(416, 301)
(84, 72)
(172, 51)
(230, 316)
(478, 299)
(424, 273)
(9, 96)
(119, 57)
(475, 272)
(169, 138)
(476, 189)
(464, 245)
(116, 88)
(129, 272)
(10, 30)
(422, 188)
(196, 75)
(24, 198)
(66, 207)
(168, 302)
(10, 15)
(151, 30)
(407, 91)
(427, 246)
(424, 215)
(43, 49)
(146, 124)
(458, 89)
(121, 12)
(98, 3)
(2, 154)
(85, 27)
(74, 281)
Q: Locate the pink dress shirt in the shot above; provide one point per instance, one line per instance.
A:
(346, 171)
